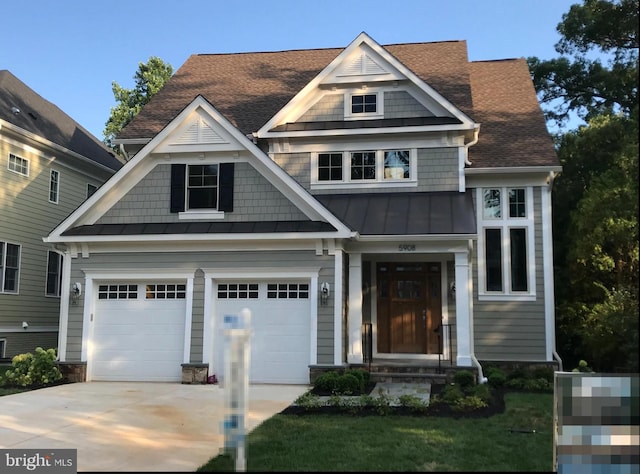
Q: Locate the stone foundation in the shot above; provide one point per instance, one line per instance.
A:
(73, 371)
(195, 373)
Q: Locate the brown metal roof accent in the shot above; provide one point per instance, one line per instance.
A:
(433, 213)
(513, 131)
(250, 88)
(200, 228)
(44, 119)
(376, 123)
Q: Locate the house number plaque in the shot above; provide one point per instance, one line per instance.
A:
(406, 248)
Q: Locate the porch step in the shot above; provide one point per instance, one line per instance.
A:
(408, 377)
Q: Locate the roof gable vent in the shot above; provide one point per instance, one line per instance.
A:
(363, 64)
(199, 132)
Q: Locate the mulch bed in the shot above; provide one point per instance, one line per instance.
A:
(495, 406)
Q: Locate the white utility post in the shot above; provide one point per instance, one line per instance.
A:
(237, 332)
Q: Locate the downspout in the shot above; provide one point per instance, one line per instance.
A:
(554, 352)
(481, 378)
(476, 133)
(124, 152)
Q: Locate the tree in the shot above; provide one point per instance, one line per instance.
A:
(150, 78)
(595, 198)
(578, 82)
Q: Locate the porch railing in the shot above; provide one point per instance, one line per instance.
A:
(443, 331)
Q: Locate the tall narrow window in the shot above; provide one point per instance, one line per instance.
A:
(54, 184)
(9, 267)
(54, 273)
(517, 207)
(506, 254)
(493, 259)
(518, 244)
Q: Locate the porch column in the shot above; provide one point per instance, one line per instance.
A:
(354, 351)
(463, 309)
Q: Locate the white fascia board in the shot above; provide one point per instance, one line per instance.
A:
(513, 169)
(400, 239)
(369, 131)
(200, 237)
(43, 141)
(300, 97)
(525, 176)
(134, 170)
(132, 141)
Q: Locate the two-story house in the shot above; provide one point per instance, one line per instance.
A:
(49, 165)
(387, 202)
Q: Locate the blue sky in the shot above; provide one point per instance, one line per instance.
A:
(71, 51)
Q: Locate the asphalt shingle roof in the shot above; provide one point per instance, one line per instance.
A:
(40, 117)
(250, 88)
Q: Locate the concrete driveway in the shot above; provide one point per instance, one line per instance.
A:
(131, 426)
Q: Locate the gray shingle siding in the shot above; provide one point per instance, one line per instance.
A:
(329, 107)
(401, 104)
(254, 199)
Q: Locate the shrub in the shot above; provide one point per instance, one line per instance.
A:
(543, 373)
(468, 403)
(464, 378)
(308, 401)
(327, 381)
(348, 384)
(481, 391)
(537, 385)
(362, 375)
(415, 404)
(29, 369)
(451, 393)
(583, 367)
(496, 377)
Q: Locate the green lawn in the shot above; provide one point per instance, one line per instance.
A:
(502, 442)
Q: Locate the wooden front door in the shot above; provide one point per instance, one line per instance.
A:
(409, 307)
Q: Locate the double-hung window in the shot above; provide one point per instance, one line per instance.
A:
(202, 191)
(506, 259)
(9, 267)
(54, 273)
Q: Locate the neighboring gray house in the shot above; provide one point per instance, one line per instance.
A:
(49, 165)
(391, 202)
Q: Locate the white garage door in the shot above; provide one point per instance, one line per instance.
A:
(138, 332)
(280, 320)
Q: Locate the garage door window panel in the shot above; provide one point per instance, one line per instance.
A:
(238, 291)
(117, 292)
(166, 291)
(287, 290)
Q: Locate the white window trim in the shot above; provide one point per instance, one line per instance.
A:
(380, 181)
(16, 171)
(57, 182)
(3, 347)
(378, 114)
(200, 213)
(505, 223)
(3, 268)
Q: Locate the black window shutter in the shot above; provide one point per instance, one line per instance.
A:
(226, 187)
(178, 173)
